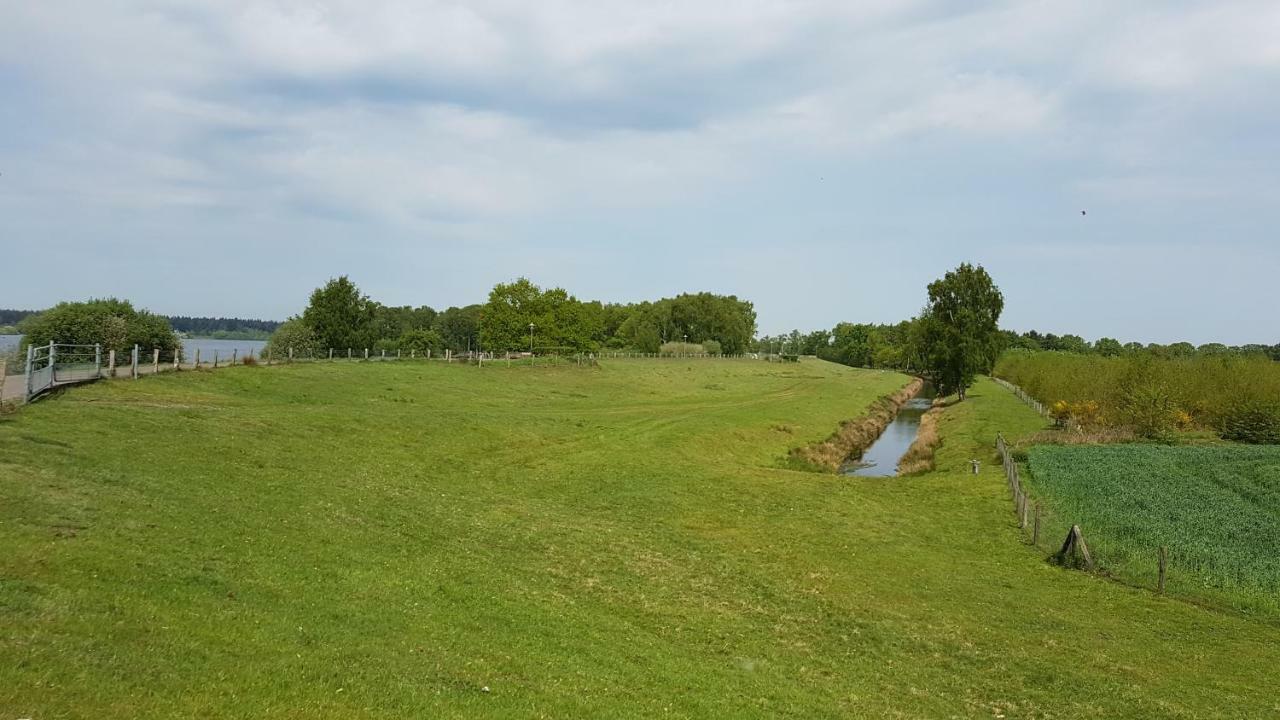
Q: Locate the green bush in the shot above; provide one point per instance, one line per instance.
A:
(681, 348)
(297, 334)
(1252, 421)
(387, 345)
(1150, 411)
(711, 347)
(420, 341)
(113, 324)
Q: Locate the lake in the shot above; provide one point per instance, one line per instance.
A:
(9, 343)
(224, 348)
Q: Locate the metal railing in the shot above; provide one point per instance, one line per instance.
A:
(50, 366)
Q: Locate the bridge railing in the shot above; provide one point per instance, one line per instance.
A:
(56, 364)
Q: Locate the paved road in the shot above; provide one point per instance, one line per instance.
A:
(13, 387)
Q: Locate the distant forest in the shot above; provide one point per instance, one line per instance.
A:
(222, 327)
(11, 317)
(232, 328)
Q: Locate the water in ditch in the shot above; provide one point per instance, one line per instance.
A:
(881, 459)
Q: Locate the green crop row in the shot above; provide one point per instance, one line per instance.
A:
(1216, 509)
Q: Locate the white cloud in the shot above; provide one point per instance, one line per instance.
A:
(485, 118)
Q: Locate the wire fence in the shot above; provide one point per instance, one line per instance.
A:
(1063, 540)
(1023, 396)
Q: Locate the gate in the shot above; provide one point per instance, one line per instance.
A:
(53, 365)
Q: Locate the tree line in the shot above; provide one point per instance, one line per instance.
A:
(891, 345)
(957, 336)
(10, 317)
(518, 316)
(1110, 347)
(222, 326)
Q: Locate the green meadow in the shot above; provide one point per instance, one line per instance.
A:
(428, 540)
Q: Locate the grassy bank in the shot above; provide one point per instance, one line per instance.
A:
(373, 540)
(855, 435)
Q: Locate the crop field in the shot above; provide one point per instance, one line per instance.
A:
(412, 540)
(1216, 508)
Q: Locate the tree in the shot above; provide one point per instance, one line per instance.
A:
(1073, 344)
(339, 316)
(958, 330)
(294, 334)
(420, 342)
(852, 344)
(458, 326)
(560, 320)
(1108, 347)
(113, 324)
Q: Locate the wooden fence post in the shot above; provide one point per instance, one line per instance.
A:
(197, 358)
(330, 354)
(290, 353)
(1163, 560)
(177, 357)
(1035, 532)
(111, 363)
(155, 361)
(1075, 544)
(215, 359)
(135, 362)
(235, 356)
(366, 353)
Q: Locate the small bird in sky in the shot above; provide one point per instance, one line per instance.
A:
(1083, 212)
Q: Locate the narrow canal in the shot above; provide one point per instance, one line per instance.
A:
(881, 459)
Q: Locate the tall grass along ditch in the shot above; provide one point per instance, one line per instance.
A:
(919, 457)
(854, 436)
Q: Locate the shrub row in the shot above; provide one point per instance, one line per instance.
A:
(1238, 397)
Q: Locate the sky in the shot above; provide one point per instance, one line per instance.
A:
(824, 159)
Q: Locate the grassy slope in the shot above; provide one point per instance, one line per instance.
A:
(388, 539)
(1217, 508)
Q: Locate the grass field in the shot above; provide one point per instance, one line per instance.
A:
(389, 540)
(1217, 509)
